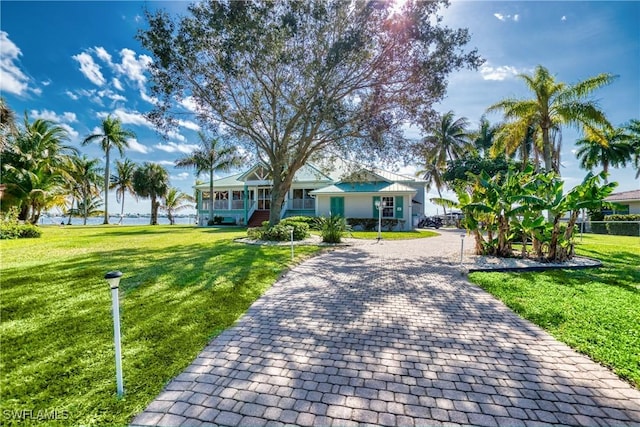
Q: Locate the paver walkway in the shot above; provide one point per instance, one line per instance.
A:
(389, 334)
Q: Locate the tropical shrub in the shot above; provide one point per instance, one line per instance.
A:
(311, 221)
(333, 228)
(371, 224)
(623, 225)
(280, 232)
(11, 228)
(506, 208)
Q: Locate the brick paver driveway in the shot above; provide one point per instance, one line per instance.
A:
(389, 334)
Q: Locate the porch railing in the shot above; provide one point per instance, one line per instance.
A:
(301, 204)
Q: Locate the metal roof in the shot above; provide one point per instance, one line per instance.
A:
(624, 196)
(364, 187)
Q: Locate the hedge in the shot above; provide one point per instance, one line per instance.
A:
(623, 225)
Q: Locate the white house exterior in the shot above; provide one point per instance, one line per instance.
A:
(245, 198)
(628, 201)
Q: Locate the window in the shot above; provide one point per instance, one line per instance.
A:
(388, 210)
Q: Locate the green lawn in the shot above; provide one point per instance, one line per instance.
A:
(393, 235)
(181, 287)
(595, 311)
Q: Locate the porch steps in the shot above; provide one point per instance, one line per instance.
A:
(258, 218)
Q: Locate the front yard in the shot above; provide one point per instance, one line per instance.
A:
(181, 287)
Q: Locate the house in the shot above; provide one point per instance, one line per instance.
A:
(245, 198)
(628, 202)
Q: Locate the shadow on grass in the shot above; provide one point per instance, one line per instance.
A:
(57, 326)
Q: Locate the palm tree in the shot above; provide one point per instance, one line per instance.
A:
(7, 123)
(112, 135)
(484, 138)
(212, 156)
(609, 149)
(151, 181)
(33, 165)
(122, 181)
(633, 128)
(174, 201)
(86, 174)
(448, 140)
(555, 104)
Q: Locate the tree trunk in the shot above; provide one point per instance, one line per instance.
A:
(172, 221)
(106, 186)
(605, 169)
(546, 150)
(444, 209)
(73, 200)
(282, 178)
(154, 211)
(24, 213)
(479, 249)
(122, 208)
(565, 253)
(211, 198)
(553, 243)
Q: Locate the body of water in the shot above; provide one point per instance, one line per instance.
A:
(57, 220)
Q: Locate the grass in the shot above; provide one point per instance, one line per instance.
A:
(181, 287)
(393, 235)
(595, 311)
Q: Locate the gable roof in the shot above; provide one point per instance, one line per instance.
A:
(364, 188)
(307, 173)
(624, 196)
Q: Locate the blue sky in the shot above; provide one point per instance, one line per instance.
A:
(76, 62)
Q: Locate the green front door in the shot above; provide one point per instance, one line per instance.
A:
(337, 206)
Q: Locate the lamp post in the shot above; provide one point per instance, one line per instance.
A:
(291, 231)
(379, 204)
(113, 278)
(461, 247)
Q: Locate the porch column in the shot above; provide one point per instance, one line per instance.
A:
(246, 203)
(199, 205)
(229, 201)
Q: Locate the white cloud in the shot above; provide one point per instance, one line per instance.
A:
(190, 104)
(66, 117)
(564, 18)
(175, 135)
(103, 54)
(180, 177)
(172, 147)
(150, 99)
(134, 145)
(117, 84)
(166, 163)
(12, 79)
(46, 83)
(189, 125)
(90, 69)
(498, 73)
(73, 134)
(128, 117)
(505, 18)
(72, 95)
(134, 68)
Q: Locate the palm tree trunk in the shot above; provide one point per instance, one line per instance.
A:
(73, 200)
(605, 169)
(211, 198)
(122, 208)
(106, 187)
(546, 150)
(444, 208)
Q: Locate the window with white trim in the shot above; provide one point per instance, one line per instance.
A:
(388, 210)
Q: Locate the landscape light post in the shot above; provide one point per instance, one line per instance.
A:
(113, 278)
(291, 231)
(379, 204)
(461, 247)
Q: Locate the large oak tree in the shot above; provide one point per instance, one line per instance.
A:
(291, 79)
